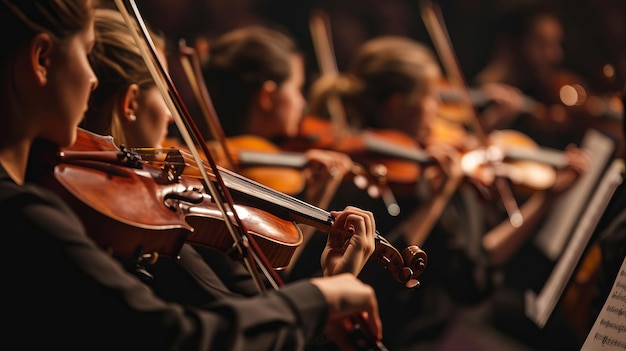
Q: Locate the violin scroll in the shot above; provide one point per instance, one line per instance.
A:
(406, 267)
(415, 260)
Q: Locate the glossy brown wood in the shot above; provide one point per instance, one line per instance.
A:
(120, 208)
(134, 207)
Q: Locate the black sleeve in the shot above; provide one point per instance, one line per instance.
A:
(62, 291)
(234, 278)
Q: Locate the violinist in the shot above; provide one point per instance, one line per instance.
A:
(391, 86)
(534, 92)
(84, 298)
(255, 76)
(392, 83)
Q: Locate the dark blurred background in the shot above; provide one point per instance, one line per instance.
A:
(595, 30)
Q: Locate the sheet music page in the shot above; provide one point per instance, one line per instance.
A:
(564, 214)
(539, 306)
(609, 330)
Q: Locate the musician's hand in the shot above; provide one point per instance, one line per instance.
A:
(449, 161)
(348, 300)
(349, 256)
(507, 103)
(579, 161)
(325, 168)
(329, 163)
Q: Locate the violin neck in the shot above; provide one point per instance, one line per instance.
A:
(248, 158)
(552, 157)
(386, 148)
(281, 204)
(479, 99)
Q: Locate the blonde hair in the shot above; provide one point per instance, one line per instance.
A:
(117, 60)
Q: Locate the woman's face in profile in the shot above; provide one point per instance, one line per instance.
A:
(543, 44)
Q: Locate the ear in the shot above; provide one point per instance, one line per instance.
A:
(266, 95)
(40, 52)
(128, 103)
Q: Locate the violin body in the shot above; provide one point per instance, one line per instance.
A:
(132, 209)
(119, 207)
(276, 237)
(516, 157)
(264, 162)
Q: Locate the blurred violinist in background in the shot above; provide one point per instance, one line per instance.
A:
(531, 88)
(255, 76)
(394, 97)
(392, 84)
(90, 301)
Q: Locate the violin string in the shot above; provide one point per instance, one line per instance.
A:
(250, 187)
(319, 26)
(246, 186)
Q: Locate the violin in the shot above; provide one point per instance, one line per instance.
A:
(259, 159)
(164, 209)
(564, 103)
(504, 152)
(516, 157)
(572, 108)
(572, 93)
(391, 156)
(402, 160)
(403, 267)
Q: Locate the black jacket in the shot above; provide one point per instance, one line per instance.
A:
(62, 291)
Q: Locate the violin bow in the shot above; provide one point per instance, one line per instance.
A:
(245, 243)
(190, 63)
(434, 22)
(319, 26)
